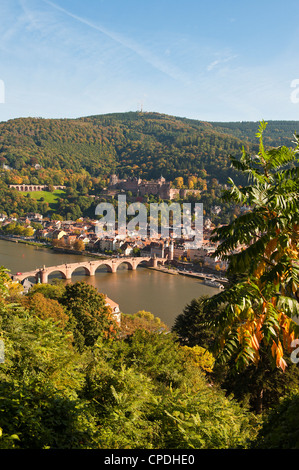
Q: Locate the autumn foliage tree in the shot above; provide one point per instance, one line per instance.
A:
(79, 245)
(46, 308)
(261, 246)
(141, 320)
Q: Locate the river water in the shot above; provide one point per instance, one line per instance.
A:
(162, 294)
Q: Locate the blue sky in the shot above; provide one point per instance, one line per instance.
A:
(210, 60)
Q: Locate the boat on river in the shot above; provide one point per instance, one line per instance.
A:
(213, 283)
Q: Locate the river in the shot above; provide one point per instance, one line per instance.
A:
(162, 294)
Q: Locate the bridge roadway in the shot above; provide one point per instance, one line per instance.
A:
(90, 267)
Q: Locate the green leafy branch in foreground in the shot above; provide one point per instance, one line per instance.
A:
(261, 247)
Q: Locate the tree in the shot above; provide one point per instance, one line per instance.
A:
(93, 318)
(280, 428)
(153, 353)
(136, 251)
(150, 392)
(179, 182)
(39, 381)
(261, 246)
(140, 320)
(46, 308)
(199, 357)
(122, 402)
(261, 388)
(79, 245)
(192, 327)
(28, 232)
(56, 217)
(50, 291)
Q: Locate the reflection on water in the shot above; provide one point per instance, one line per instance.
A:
(21, 257)
(162, 294)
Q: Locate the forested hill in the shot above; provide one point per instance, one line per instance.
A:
(278, 132)
(133, 144)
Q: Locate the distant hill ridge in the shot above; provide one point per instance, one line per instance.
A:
(144, 144)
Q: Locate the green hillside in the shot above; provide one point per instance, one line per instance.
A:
(278, 132)
(140, 144)
(82, 153)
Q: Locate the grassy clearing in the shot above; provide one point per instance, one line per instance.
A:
(49, 197)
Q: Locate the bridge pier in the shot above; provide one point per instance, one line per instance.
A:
(43, 277)
(92, 269)
(68, 273)
(154, 262)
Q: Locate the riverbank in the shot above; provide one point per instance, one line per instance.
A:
(144, 289)
(79, 253)
(164, 270)
(48, 246)
(207, 277)
(201, 276)
(24, 241)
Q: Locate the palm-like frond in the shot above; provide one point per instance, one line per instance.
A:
(262, 248)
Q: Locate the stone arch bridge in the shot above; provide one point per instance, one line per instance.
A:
(66, 270)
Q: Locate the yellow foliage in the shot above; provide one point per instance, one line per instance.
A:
(260, 269)
(199, 357)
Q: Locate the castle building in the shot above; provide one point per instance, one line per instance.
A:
(139, 187)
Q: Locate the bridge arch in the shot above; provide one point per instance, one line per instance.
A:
(31, 278)
(84, 268)
(51, 272)
(142, 263)
(127, 262)
(105, 265)
(161, 261)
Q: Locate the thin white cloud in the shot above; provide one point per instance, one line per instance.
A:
(220, 61)
(160, 65)
(213, 65)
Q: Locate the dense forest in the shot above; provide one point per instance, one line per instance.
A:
(278, 132)
(73, 379)
(132, 144)
(82, 153)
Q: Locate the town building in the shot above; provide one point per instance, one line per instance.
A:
(116, 313)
